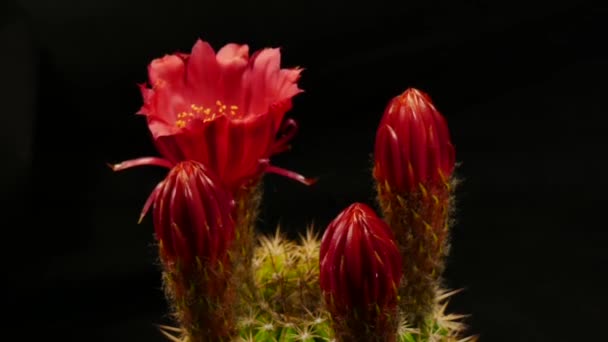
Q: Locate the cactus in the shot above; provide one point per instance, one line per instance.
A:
(216, 120)
(283, 265)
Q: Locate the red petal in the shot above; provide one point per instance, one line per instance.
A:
(149, 201)
(290, 174)
(288, 130)
(197, 216)
(154, 161)
(147, 95)
(233, 53)
(263, 63)
(233, 60)
(181, 224)
(434, 154)
(203, 73)
(166, 71)
(286, 84)
(162, 218)
(392, 162)
(418, 145)
(353, 256)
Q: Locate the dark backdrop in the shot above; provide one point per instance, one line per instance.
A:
(521, 84)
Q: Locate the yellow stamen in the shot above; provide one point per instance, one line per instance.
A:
(205, 114)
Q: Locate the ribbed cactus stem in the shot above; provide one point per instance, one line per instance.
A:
(247, 199)
(202, 301)
(287, 275)
(352, 328)
(421, 222)
(297, 314)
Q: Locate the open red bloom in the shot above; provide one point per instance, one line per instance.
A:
(360, 265)
(412, 144)
(224, 110)
(192, 216)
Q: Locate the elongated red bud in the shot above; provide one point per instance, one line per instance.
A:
(412, 144)
(360, 270)
(192, 216)
(194, 226)
(413, 167)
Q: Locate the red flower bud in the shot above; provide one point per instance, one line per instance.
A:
(360, 270)
(192, 216)
(193, 223)
(413, 144)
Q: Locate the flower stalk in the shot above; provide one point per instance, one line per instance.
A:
(413, 166)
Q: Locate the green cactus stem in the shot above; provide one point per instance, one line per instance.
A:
(421, 221)
(289, 308)
(286, 274)
(247, 200)
(201, 294)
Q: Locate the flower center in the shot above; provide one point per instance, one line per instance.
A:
(206, 113)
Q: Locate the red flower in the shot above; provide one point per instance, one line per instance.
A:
(360, 266)
(412, 144)
(192, 216)
(223, 110)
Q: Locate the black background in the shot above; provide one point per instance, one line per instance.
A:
(521, 84)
